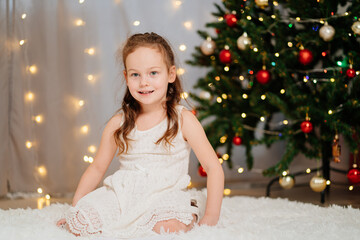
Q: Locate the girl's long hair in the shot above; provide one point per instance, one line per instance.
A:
(131, 108)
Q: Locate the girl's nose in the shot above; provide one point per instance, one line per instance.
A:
(144, 81)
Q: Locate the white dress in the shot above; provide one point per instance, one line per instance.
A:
(150, 186)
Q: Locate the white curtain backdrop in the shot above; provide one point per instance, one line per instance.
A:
(55, 97)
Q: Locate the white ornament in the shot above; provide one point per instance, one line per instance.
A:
(262, 3)
(327, 32)
(208, 47)
(243, 41)
(205, 95)
(356, 27)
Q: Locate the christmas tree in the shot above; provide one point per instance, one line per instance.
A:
(297, 58)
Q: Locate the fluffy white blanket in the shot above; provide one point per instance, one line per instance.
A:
(241, 218)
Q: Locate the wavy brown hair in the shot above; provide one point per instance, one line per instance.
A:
(131, 108)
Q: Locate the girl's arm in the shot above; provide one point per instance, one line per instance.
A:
(195, 135)
(95, 172)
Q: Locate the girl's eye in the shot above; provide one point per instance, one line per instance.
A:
(153, 73)
(134, 75)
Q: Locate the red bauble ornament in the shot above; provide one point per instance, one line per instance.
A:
(350, 73)
(237, 140)
(263, 76)
(305, 57)
(230, 20)
(225, 56)
(193, 111)
(306, 126)
(217, 30)
(202, 172)
(353, 176)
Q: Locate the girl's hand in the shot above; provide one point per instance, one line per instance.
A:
(61, 222)
(208, 220)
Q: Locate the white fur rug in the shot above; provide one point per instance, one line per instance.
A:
(241, 218)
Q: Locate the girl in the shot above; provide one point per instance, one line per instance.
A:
(153, 135)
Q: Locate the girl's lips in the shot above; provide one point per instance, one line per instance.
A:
(146, 92)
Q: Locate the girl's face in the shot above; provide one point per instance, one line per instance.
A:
(147, 76)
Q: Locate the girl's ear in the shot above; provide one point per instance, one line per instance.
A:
(125, 75)
(172, 74)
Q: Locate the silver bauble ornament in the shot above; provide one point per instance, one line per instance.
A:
(318, 184)
(286, 182)
(262, 3)
(205, 95)
(356, 27)
(208, 47)
(327, 32)
(243, 41)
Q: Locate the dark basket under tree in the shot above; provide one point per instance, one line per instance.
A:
(297, 58)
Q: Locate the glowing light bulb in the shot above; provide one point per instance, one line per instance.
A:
(188, 25)
(263, 97)
(90, 77)
(136, 23)
(241, 78)
(90, 51)
(28, 144)
(42, 171)
(92, 149)
(256, 49)
(248, 18)
(38, 118)
(23, 16)
(33, 69)
(85, 129)
(328, 182)
(308, 170)
(225, 157)
(221, 160)
(284, 173)
(285, 122)
(223, 139)
(79, 22)
(243, 115)
(217, 78)
(182, 47)
(21, 42)
(290, 44)
(81, 103)
(226, 68)
(47, 196)
(240, 170)
(91, 159)
(330, 112)
(177, 3)
(224, 96)
(81, 1)
(218, 99)
(262, 118)
(180, 71)
(351, 188)
(227, 191)
(277, 54)
(282, 91)
(184, 95)
(29, 96)
(244, 96)
(86, 158)
(39, 190)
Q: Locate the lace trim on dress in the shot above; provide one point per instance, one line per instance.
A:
(84, 221)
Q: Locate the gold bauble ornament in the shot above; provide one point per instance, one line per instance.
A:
(262, 3)
(286, 182)
(356, 27)
(318, 184)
